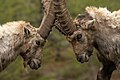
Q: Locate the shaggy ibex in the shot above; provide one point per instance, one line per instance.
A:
(98, 28)
(103, 27)
(65, 25)
(20, 38)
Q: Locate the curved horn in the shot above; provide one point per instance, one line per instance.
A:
(48, 19)
(64, 18)
(59, 27)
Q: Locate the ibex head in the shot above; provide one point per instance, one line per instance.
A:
(33, 44)
(39, 36)
(82, 39)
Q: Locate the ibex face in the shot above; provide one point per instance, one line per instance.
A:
(32, 47)
(82, 39)
(81, 42)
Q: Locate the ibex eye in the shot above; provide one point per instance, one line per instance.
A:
(37, 42)
(79, 36)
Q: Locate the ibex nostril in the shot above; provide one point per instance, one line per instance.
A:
(34, 64)
(80, 58)
(86, 58)
(39, 65)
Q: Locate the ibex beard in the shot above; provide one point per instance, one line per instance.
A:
(20, 38)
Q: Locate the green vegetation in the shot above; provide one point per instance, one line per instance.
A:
(59, 62)
(28, 10)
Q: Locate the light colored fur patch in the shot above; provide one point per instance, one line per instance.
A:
(15, 27)
(11, 37)
(112, 19)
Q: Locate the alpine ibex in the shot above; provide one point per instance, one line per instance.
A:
(20, 38)
(98, 28)
(103, 27)
(65, 25)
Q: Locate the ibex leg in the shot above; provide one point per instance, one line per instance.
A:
(106, 70)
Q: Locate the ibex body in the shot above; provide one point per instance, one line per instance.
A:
(18, 38)
(103, 27)
(103, 34)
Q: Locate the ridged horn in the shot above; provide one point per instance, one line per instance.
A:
(66, 26)
(48, 19)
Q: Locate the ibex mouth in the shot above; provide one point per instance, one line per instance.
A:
(82, 57)
(34, 64)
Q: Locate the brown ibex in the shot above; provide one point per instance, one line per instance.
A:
(65, 25)
(103, 27)
(98, 28)
(20, 38)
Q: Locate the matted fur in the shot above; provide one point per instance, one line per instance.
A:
(12, 39)
(112, 19)
(11, 36)
(32, 38)
(104, 30)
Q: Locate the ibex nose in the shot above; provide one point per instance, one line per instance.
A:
(79, 58)
(76, 22)
(82, 58)
(34, 64)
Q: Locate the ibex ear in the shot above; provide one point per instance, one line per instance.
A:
(26, 32)
(90, 24)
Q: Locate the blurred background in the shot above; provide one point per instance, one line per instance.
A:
(58, 62)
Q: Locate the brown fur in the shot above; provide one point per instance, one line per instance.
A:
(105, 38)
(17, 38)
(75, 36)
(21, 38)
